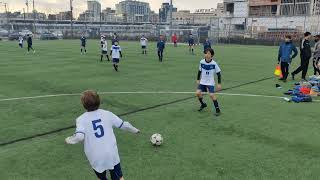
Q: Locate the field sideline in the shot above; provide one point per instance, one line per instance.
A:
(258, 136)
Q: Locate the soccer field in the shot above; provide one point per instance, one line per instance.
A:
(258, 135)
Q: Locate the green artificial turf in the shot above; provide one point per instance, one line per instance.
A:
(255, 138)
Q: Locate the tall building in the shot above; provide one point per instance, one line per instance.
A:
(94, 10)
(316, 7)
(264, 7)
(164, 12)
(133, 11)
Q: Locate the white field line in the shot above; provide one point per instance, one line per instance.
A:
(139, 92)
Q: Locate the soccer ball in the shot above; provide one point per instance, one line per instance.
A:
(156, 139)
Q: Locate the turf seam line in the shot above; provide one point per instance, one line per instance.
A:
(125, 114)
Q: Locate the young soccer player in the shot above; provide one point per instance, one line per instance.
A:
(206, 45)
(285, 56)
(205, 80)
(115, 39)
(95, 129)
(191, 44)
(29, 42)
(20, 41)
(174, 39)
(83, 48)
(143, 42)
(161, 45)
(116, 55)
(104, 48)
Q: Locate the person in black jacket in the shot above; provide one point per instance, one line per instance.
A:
(161, 46)
(29, 42)
(305, 55)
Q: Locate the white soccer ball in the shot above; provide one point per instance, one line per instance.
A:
(156, 139)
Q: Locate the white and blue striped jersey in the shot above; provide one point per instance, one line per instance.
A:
(115, 51)
(208, 70)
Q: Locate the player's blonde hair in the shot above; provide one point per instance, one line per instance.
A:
(90, 100)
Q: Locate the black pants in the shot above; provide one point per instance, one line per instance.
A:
(115, 174)
(160, 54)
(303, 67)
(30, 47)
(315, 66)
(285, 69)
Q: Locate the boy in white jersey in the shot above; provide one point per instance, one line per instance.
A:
(207, 69)
(104, 48)
(116, 55)
(143, 42)
(20, 41)
(95, 128)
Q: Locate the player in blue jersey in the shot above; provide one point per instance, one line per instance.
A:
(207, 70)
(161, 45)
(191, 44)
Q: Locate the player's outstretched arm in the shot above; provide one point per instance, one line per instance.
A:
(126, 126)
(75, 139)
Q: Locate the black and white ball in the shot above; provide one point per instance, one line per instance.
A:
(156, 139)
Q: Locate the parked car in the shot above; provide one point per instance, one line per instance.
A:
(4, 33)
(25, 32)
(59, 35)
(14, 36)
(48, 36)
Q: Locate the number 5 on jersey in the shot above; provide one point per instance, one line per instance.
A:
(98, 128)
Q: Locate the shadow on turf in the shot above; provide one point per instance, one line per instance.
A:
(128, 113)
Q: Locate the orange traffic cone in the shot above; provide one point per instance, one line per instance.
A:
(277, 71)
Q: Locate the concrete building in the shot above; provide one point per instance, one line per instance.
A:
(133, 11)
(109, 15)
(154, 17)
(164, 12)
(93, 11)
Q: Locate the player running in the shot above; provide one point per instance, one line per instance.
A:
(205, 80)
(161, 45)
(116, 55)
(29, 42)
(83, 48)
(21, 41)
(143, 42)
(104, 48)
(191, 44)
(95, 128)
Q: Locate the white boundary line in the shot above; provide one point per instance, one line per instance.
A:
(139, 92)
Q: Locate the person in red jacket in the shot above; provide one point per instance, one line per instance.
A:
(174, 39)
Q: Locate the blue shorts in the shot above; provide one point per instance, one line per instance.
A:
(115, 60)
(115, 174)
(144, 47)
(206, 88)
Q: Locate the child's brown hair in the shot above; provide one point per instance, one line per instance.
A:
(90, 100)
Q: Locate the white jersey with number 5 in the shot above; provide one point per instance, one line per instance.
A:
(208, 70)
(100, 143)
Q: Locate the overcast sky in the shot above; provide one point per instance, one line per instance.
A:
(54, 6)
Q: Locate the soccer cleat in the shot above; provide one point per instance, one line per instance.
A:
(203, 106)
(218, 112)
